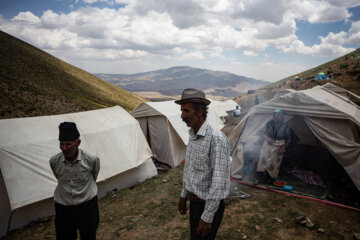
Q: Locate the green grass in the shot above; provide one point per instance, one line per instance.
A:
(34, 83)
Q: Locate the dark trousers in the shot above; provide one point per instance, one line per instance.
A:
(83, 217)
(264, 177)
(196, 209)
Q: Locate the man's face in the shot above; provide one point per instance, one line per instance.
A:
(277, 117)
(70, 148)
(190, 116)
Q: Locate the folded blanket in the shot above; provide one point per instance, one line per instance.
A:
(308, 177)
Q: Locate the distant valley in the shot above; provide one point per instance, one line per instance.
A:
(172, 81)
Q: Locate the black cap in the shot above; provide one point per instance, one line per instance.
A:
(68, 131)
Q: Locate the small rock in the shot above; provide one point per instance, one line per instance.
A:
(164, 180)
(48, 236)
(278, 220)
(302, 222)
(321, 230)
(300, 219)
(244, 237)
(357, 236)
(257, 227)
(136, 219)
(309, 224)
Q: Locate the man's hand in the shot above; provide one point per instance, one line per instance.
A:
(281, 150)
(182, 206)
(269, 140)
(203, 228)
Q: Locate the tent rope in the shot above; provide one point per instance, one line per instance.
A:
(9, 222)
(237, 141)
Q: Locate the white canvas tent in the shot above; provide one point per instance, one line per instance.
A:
(223, 108)
(340, 91)
(283, 92)
(315, 114)
(167, 134)
(27, 183)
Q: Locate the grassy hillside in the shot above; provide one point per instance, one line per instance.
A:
(34, 83)
(345, 72)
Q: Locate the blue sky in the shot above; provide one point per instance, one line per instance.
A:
(263, 39)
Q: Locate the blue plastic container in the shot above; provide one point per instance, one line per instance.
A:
(288, 188)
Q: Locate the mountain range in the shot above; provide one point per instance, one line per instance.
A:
(35, 83)
(173, 81)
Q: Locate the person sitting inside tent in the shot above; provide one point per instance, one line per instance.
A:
(237, 111)
(277, 136)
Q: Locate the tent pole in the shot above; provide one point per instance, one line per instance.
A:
(237, 141)
(9, 223)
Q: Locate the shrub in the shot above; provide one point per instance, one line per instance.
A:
(344, 65)
(355, 69)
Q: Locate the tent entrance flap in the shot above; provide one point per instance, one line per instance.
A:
(320, 119)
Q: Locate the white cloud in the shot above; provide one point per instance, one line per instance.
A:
(158, 26)
(196, 30)
(354, 33)
(192, 56)
(334, 39)
(261, 11)
(250, 53)
(27, 17)
(331, 45)
(316, 11)
(270, 71)
(94, 1)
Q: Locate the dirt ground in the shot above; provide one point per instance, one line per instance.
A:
(149, 211)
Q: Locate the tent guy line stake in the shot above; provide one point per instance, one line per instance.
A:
(299, 196)
(105, 181)
(9, 222)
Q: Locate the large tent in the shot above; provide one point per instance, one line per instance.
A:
(223, 108)
(27, 183)
(165, 131)
(318, 116)
(341, 91)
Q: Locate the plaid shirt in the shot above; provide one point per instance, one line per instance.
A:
(207, 168)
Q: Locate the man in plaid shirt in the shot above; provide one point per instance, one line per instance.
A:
(206, 180)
